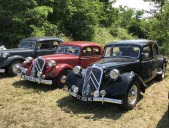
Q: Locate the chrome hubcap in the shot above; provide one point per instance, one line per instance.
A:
(63, 79)
(16, 67)
(132, 95)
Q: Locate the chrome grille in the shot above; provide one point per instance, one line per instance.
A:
(92, 80)
(38, 66)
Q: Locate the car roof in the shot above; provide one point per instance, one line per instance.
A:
(43, 39)
(139, 42)
(81, 43)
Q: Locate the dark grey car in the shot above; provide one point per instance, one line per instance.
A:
(28, 47)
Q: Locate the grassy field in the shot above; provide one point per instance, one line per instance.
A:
(27, 105)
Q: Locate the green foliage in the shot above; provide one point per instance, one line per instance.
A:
(92, 20)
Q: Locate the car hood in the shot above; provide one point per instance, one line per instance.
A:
(59, 57)
(16, 50)
(114, 62)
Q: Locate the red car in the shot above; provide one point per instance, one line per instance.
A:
(53, 69)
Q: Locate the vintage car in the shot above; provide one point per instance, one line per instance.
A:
(33, 46)
(121, 75)
(53, 69)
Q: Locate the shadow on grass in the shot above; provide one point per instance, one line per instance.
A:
(35, 86)
(4, 75)
(164, 122)
(96, 110)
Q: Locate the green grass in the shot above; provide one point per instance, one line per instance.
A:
(29, 105)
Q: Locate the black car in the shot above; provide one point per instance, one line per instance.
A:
(121, 75)
(28, 47)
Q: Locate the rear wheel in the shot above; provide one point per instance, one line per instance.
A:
(61, 79)
(132, 97)
(12, 67)
(162, 75)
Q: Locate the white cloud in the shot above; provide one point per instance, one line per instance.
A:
(137, 4)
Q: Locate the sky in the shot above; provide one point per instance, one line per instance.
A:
(137, 4)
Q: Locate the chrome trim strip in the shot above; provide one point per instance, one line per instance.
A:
(49, 82)
(100, 99)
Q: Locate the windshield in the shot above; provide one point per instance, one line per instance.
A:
(27, 44)
(68, 49)
(122, 51)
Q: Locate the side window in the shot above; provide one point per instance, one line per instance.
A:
(146, 54)
(155, 50)
(87, 51)
(44, 45)
(96, 51)
(54, 44)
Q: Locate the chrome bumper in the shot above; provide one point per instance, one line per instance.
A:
(33, 79)
(98, 99)
(2, 70)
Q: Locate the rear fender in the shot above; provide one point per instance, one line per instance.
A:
(162, 60)
(123, 84)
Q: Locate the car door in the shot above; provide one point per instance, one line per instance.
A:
(86, 57)
(154, 63)
(146, 62)
(96, 54)
(44, 48)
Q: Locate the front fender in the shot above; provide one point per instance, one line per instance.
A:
(10, 59)
(123, 84)
(77, 80)
(57, 69)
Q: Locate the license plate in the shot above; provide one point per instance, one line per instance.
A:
(84, 98)
(30, 78)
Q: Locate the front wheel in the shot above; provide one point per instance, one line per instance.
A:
(12, 67)
(132, 97)
(61, 79)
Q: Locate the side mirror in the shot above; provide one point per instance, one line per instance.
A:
(18, 46)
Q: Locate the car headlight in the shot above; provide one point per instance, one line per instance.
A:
(114, 74)
(75, 89)
(5, 55)
(96, 93)
(29, 59)
(77, 70)
(51, 63)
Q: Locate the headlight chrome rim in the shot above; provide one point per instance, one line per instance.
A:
(114, 74)
(28, 59)
(51, 63)
(77, 70)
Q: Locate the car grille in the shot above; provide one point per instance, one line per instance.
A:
(38, 66)
(92, 80)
